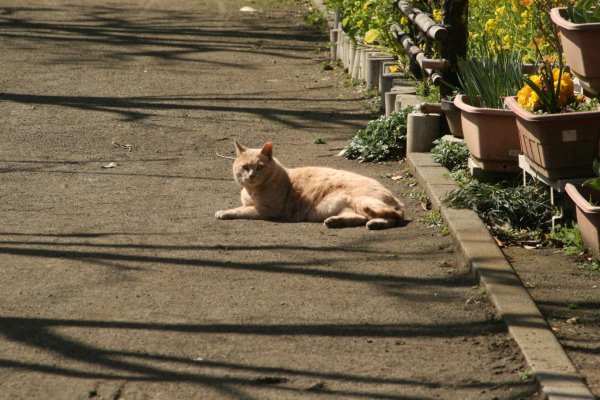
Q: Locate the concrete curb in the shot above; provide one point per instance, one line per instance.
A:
(547, 359)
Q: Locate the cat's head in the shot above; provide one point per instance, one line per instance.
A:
(252, 166)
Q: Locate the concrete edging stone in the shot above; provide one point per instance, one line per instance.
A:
(556, 374)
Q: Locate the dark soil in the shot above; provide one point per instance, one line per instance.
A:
(117, 281)
(568, 294)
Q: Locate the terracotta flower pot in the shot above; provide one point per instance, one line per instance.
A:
(558, 145)
(588, 216)
(490, 135)
(580, 44)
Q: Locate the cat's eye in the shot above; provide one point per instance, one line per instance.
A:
(246, 167)
(259, 167)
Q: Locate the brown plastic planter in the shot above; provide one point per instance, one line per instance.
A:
(580, 44)
(558, 145)
(491, 136)
(452, 114)
(588, 216)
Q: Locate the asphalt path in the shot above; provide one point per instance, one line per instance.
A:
(117, 281)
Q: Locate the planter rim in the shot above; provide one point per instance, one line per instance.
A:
(580, 201)
(461, 102)
(448, 105)
(559, 17)
(522, 113)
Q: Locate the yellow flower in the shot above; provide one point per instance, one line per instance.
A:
(555, 72)
(500, 11)
(490, 25)
(438, 15)
(404, 21)
(506, 42)
(565, 86)
(528, 99)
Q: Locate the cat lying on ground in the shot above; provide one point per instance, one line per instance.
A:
(337, 198)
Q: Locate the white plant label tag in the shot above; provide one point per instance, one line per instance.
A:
(569, 135)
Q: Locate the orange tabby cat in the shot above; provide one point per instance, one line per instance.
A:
(338, 198)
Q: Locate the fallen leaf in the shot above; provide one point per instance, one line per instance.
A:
(110, 165)
(573, 321)
(500, 242)
(247, 9)
(127, 147)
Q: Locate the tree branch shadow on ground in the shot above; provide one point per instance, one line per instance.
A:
(114, 364)
(181, 35)
(134, 109)
(322, 267)
(42, 167)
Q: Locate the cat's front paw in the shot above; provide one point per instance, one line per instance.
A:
(221, 214)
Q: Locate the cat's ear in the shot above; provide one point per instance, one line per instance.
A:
(239, 149)
(267, 150)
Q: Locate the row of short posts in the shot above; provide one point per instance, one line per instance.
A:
(372, 67)
(367, 64)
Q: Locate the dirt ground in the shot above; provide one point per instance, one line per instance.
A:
(568, 294)
(118, 283)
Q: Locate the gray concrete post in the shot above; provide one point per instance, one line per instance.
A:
(356, 64)
(390, 100)
(421, 131)
(333, 44)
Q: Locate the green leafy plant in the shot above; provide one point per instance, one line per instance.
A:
(506, 209)
(428, 92)
(584, 11)
(382, 139)
(433, 219)
(490, 76)
(569, 238)
(526, 374)
(315, 20)
(594, 183)
(371, 21)
(452, 155)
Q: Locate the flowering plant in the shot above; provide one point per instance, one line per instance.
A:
(551, 91)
